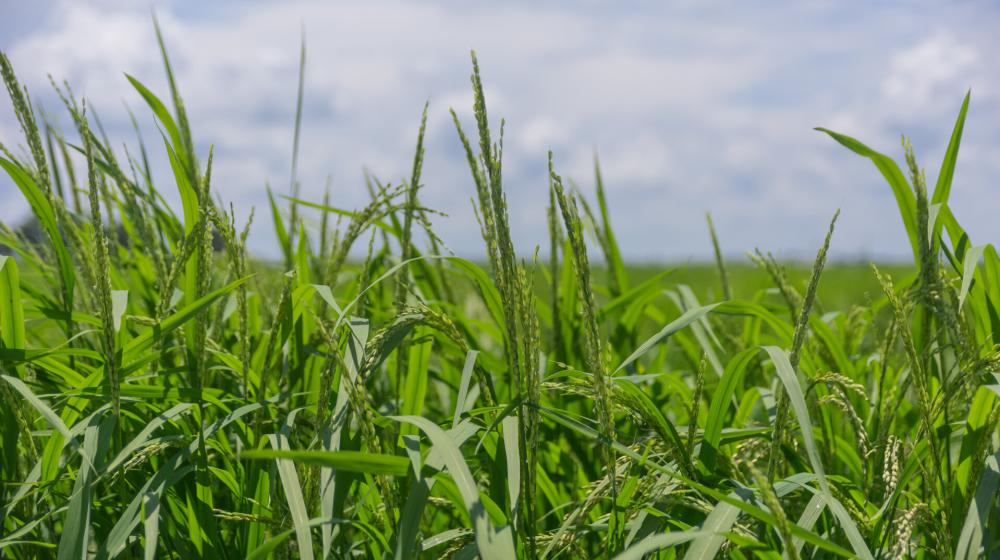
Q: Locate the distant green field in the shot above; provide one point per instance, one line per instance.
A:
(164, 395)
(843, 285)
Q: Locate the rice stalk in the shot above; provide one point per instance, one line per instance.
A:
(592, 340)
(103, 272)
(798, 338)
(719, 262)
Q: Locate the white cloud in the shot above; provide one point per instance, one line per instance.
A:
(693, 106)
(924, 75)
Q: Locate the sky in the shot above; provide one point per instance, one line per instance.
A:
(691, 106)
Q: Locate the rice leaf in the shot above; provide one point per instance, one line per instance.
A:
(492, 544)
(652, 543)
(119, 302)
(790, 381)
(293, 494)
(971, 538)
(677, 324)
(347, 461)
(39, 405)
(905, 199)
(969, 263)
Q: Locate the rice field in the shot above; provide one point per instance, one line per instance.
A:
(371, 395)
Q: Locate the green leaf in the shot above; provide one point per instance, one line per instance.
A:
(754, 511)
(11, 311)
(39, 405)
(724, 515)
(284, 241)
(119, 302)
(615, 262)
(169, 472)
(145, 434)
(943, 187)
(651, 285)
(492, 544)
(905, 199)
(969, 263)
(417, 377)
(491, 297)
(416, 500)
(75, 537)
(513, 455)
(47, 219)
(721, 397)
(677, 324)
(264, 551)
(293, 495)
(970, 540)
(347, 461)
(652, 543)
(330, 436)
(810, 515)
(463, 385)
(648, 410)
(159, 110)
(155, 333)
(791, 383)
(340, 212)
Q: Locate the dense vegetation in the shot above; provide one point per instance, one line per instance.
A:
(164, 395)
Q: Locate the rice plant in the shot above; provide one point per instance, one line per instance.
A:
(371, 395)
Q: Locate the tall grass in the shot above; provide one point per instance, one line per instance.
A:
(166, 395)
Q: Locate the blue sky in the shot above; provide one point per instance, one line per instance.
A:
(692, 106)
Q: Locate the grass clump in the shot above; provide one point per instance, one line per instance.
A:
(186, 400)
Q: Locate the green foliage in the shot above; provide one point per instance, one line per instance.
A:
(193, 402)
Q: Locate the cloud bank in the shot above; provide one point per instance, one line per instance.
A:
(692, 107)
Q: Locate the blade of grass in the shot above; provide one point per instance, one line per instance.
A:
(293, 494)
(347, 461)
(492, 544)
